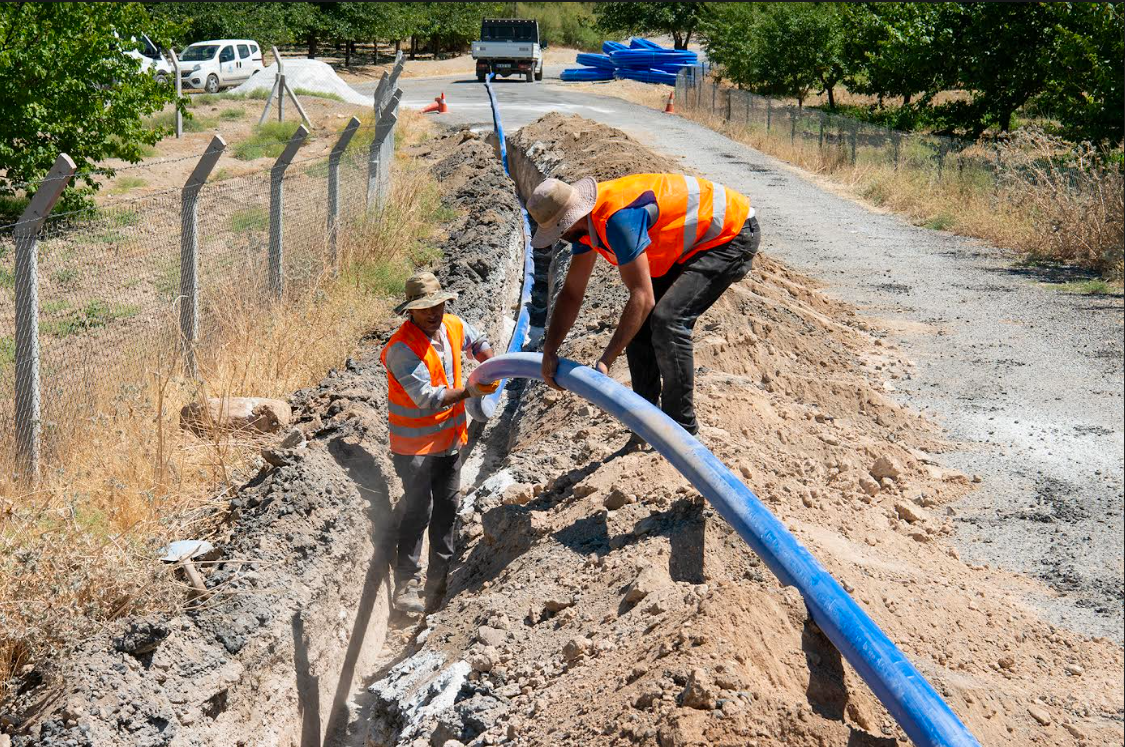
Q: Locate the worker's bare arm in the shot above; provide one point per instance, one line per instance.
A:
(638, 280)
(567, 306)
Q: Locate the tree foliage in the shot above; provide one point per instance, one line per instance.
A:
(1064, 59)
(68, 87)
(678, 19)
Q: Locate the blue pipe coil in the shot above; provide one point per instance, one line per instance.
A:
(574, 74)
(648, 57)
(640, 43)
(925, 717)
(610, 47)
(594, 60)
(647, 76)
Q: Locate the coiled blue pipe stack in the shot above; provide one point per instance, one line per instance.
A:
(640, 59)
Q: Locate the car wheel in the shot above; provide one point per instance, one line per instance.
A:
(212, 84)
(530, 77)
(481, 77)
(161, 78)
(539, 75)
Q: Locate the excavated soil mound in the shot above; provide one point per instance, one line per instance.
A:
(599, 601)
(297, 612)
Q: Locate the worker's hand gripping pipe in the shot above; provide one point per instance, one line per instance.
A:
(922, 713)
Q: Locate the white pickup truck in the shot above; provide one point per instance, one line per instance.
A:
(509, 46)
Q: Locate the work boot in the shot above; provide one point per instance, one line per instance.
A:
(635, 443)
(408, 598)
(435, 595)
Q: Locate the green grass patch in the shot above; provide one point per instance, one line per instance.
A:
(94, 315)
(7, 352)
(250, 219)
(940, 222)
(117, 147)
(319, 94)
(12, 207)
(385, 277)
(54, 306)
(167, 121)
(268, 139)
(7, 279)
(1093, 287)
(232, 114)
(318, 170)
(125, 183)
(65, 276)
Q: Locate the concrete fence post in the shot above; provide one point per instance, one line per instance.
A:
(189, 251)
(792, 125)
(334, 191)
(26, 234)
(381, 94)
(769, 112)
(179, 93)
(384, 145)
(855, 138)
(820, 141)
(277, 178)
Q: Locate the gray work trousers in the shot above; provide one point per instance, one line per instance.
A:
(661, 357)
(431, 497)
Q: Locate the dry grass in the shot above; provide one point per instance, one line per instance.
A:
(1053, 201)
(79, 550)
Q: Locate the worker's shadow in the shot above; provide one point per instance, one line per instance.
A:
(371, 483)
(827, 691)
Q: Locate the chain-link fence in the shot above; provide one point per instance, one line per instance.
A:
(93, 302)
(834, 140)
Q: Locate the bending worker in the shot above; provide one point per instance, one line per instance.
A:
(678, 242)
(428, 428)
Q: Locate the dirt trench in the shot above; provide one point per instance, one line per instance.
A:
(597, 600)
(297, 616)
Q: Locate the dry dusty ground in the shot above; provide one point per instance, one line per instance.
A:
(599, 603)
(597, 600)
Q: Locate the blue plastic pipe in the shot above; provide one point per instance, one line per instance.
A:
(920, 711)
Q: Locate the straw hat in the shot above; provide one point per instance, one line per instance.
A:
(556, 206)
(423, 291)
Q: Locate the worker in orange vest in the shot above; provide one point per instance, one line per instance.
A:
(678, 241)
(428, 428)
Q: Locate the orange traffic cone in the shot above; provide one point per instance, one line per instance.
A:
(430, 107)
(671, 108)
(442, 107)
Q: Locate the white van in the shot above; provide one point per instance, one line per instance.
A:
(212, 65)
(150, 55)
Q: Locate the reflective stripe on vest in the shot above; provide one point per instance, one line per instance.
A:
(423, 430)
(692, 215)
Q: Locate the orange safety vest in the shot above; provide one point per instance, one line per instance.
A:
(417, 430)
(693, 215)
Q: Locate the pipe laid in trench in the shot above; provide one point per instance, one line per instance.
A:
(921, 712)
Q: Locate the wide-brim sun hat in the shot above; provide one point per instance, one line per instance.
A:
(423, 290)
(556, 206)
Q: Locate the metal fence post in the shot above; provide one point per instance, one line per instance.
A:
(820, 142)
(792, 126)
(855, 138)
(189, 251)
(277, 177)
(280, 86)
(769, 112)
(714, 93)
(26, 234)
(179, 93)
(334, 191)
(895, 138)
(728, 104)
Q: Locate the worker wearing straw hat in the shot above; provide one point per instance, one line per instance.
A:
(678, 241)
(428, 428)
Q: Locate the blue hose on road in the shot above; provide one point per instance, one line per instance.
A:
(925, 717)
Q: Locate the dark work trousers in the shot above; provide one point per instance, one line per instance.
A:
(661, 358)
(431, 496)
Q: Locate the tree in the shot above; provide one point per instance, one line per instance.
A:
(893, 49)
(678, 19)
(266, 23)
(788, 49)
(68, 87)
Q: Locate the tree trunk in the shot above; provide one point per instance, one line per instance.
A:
(413, 47)
(831, 98)
(678, 41)
(906, 99)
(312, 46)
(347, 54)
(1006, 120)
(398, 46)
(687, 38)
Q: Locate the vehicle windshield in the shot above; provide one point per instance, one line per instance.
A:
(508, 31)
(199, 53)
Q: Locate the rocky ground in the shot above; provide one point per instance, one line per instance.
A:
(597, 599)
(297, 608)
(599, 602)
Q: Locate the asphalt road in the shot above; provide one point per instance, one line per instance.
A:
(1025, 378)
